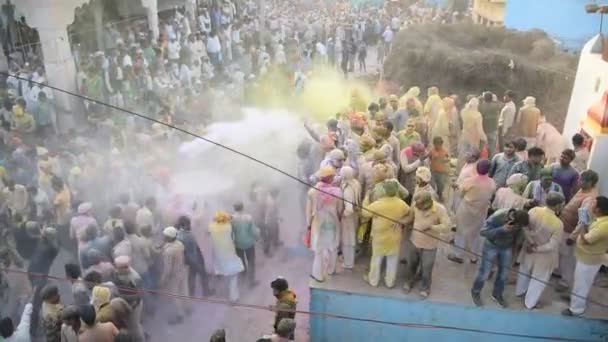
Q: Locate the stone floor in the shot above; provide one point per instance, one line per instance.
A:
(452, 284)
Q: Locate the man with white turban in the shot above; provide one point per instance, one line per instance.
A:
(423, 182)
(174, 274)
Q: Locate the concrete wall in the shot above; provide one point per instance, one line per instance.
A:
(589, 86)
(324, 329)
(564, 20)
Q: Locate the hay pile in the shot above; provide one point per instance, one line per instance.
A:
(468, 59)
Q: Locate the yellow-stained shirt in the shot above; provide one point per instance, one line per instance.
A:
(592, 252)
(386, 234)
(62, 205)
(429, 225)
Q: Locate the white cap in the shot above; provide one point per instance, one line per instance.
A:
(170, 232)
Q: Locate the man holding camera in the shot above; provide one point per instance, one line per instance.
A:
(502, 231)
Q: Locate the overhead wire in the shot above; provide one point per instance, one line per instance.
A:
(285, 173)
(307, 312)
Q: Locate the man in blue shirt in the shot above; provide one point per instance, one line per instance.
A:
(502, 231)
(565, 175)
(193, 256)
(502, 163)
(44, 115)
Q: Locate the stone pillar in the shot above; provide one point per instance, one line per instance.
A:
(52, 18)
(152, 12)
(97, 8)
(191, 11)
(60, 72)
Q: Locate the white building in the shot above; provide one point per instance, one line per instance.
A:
(588, 110)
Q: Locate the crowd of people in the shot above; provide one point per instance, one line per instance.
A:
(391, 179)
(399, 179)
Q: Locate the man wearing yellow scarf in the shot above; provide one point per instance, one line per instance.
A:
(23, 122)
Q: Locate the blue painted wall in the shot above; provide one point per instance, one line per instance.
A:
(326, 329)
(564, 20)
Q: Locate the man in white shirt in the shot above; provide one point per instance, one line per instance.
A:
(507, 115)
(214, 48)
(126, 59)
(388, 38)
(145, 215)
(395, 24)
(173, 49)
(196, 48)
(22, 333)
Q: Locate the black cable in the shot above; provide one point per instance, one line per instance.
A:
(589, 300)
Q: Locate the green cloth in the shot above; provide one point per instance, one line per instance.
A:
(490, 112)
(244, 232)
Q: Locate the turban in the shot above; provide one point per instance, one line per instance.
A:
(100, 296)
(554, 198)
(418, 147)
(390, 188)
(286, 326)
(517, 178)
(529, 101)
(546, 172)
(347, 173)
(367, 142)
(379, 155)
(41, 151)
(413, 92)
(423, 197)
(85, 208)
(170, 232)
(424, 174)
(483, 167)
(325, 172)
(221, 217)
(336, 154)
(381, 172)
(122, 261)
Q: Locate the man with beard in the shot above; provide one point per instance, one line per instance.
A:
(128, 282)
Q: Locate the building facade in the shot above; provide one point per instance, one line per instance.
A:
(489, 12)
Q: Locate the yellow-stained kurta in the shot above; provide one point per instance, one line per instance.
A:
(386, 234)
(323, 216)
(545, 232)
